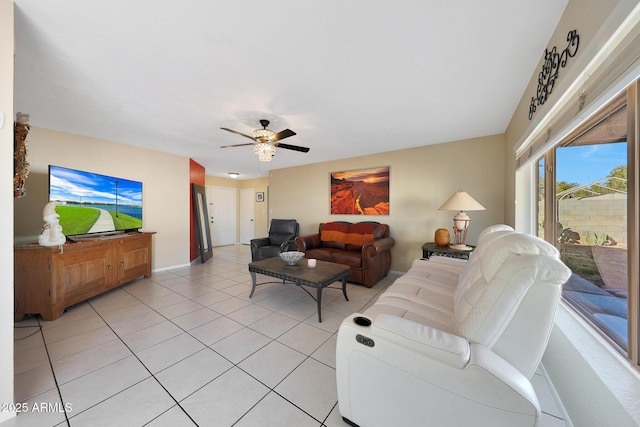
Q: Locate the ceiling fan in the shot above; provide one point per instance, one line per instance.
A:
(265, 141)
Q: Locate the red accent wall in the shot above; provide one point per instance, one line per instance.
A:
(196, 176)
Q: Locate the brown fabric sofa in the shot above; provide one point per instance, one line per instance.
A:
(364, 246)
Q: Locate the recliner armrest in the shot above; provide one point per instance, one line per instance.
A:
(263, 241)
(284, 247)
(423, 361)
(493, 365)
(422, 339)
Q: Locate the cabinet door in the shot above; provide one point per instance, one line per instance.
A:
(134, 258)
(86, 271)
(33, 290)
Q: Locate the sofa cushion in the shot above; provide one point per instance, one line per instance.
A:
(351, 258)
(263, 252)
(332, 244)
(425, 312)
(434, 287)
(323, 254)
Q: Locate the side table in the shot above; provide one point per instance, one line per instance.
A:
(431, 248)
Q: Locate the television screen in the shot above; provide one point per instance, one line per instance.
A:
(94, 203)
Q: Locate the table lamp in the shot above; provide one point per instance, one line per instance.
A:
(461, 201)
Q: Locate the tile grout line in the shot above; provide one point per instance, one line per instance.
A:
(55, 379)
(271, 389)
(150, 373)
(234, 365)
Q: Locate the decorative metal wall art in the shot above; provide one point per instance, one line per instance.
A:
(553, 61)
(20, 164)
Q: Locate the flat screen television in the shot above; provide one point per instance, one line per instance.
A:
(95, 203)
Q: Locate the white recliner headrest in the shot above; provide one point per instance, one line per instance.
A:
(496, 252)
(492, 229)
(471, 271)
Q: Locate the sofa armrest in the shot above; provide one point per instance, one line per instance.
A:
(371, 249)
(422, 339)
(308, 242)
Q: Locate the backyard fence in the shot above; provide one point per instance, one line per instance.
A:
(594, 218)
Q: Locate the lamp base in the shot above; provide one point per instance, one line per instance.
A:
(460, 247)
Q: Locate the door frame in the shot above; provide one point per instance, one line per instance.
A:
(247, 215)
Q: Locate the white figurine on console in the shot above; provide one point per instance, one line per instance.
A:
(51, 230)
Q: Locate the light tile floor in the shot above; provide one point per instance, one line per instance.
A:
(188, 347)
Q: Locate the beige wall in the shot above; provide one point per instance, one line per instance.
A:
(261, 209)
(165, 187)
(6, 199)
(421, 180)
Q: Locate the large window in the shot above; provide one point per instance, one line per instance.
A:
(582, 208)
(540, 198)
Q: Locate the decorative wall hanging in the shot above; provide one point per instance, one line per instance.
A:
(20, 164)
(260, 197)
(360, 192)
(553, 61)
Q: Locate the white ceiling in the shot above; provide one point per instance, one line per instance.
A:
(349, 77)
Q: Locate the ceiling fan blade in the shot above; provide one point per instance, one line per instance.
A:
(237, 145)
(238, 133)
(282, 135)
(293, 147)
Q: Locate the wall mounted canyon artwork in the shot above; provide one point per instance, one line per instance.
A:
(360, 192)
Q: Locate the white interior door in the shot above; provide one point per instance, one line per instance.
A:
(247, 229)
(222, 215)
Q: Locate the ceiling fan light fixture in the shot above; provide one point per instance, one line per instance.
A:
(264, 150)
(265, 141)
(263, 135)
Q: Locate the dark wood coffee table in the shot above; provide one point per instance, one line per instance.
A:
(319, 277)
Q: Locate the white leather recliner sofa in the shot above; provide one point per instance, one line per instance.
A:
(452, 342)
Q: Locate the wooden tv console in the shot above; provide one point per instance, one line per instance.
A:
(49, 279)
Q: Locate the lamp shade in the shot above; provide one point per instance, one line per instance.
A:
(461, 201)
